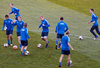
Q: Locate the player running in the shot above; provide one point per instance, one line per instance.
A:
(45, 30)
(15, 11)
(19, 23)
(24, 36)
(9, 31)
(60, 29)
(95, 24)
(65, 50)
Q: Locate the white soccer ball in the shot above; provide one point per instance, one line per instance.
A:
(39, 45)
(80, 37)
(5, 45)
(15, 47)
(27, 53)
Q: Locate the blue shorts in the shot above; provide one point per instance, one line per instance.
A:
(65, 52)
(16, 18)
(44, 34)
(24, 43)
(18, 34)
(60, 35)
(8, 32)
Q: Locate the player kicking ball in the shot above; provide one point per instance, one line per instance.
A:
(15, 11)
(9, 31)
(95, 24)
(61, 28)
(24, 36)
(45, 30)
(65, 48)
(19, 23)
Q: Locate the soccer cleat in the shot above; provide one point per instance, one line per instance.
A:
(8, 44)
(57, 47)
(59, 66)
(47, 46)
(96, 38)
(11, 44)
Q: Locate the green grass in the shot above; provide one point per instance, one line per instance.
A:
(80, 5)
(86, 54)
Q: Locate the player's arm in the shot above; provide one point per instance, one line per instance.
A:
(66, 27)
(47, 24)
(40, 25)
(26, 31)
(3, 25)
(56, 28)
(16, 9)
(70, 46)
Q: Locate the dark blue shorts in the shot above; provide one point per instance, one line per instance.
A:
(24, 43)
(44, 34)
(65, 52)
(18, 34)
(16, 18)
(60, 35)
(8, 32)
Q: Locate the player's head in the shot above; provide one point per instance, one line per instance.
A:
(25, 25)
(91, 10)
(7, 17)
(42, 18)
(19, 18)
(61, 18)
(68, 32)
(11, 5)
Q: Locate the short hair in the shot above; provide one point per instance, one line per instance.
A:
(25, 24)
(61, 18)
(12, 4)
(68, 32)
(92, 9)
(41, 17)
(6, 15)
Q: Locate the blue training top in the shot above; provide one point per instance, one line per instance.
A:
(65, 40)
(61, 27)
(8, 24)
(24, 34)
(94, 18)
(15, 10)
(45, 27)
(19, 25)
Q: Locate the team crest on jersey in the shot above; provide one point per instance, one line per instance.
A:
(23, 30)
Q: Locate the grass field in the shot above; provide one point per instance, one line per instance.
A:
(86, 54)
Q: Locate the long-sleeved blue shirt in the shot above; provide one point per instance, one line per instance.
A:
(94, 18)
(19, 25)
(61, 27)
(8, 24)
(24, 34)
(46, 26)
(15, 10)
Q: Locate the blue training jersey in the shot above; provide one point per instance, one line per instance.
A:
(61, 27)
(94, 18)
(65, 40)
(15, 10)
(46, 26)
(8, 24)
(19, 25)
(24, 34)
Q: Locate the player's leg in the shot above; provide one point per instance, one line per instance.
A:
(7, 33)
(92, 31)
(19, 41)
(42, 36)
(22, 49)
(11, 32)
(97, 30)
(46, 40)
(60, 41)
(60, 60)
(57, 40)
(26, 45)
(69, 64)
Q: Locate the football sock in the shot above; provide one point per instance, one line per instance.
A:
(20, 46)
(8, 42)
(59, 63)
(57, 42)
(21, 53)
(24, 50)
(11, 41)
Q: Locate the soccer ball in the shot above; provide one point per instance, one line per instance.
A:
(80, 37)
(27, 53)
(39, 45)
(15, 47)
(5, 45)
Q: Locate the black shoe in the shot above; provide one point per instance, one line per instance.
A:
(59, 66)
(56, 47)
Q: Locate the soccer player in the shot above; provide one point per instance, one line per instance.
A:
(15, 11)
(65, 48)
(95, 24)
(24, 36)
(19, 23)
(9, 31)
(60, 29)
(45, 30)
